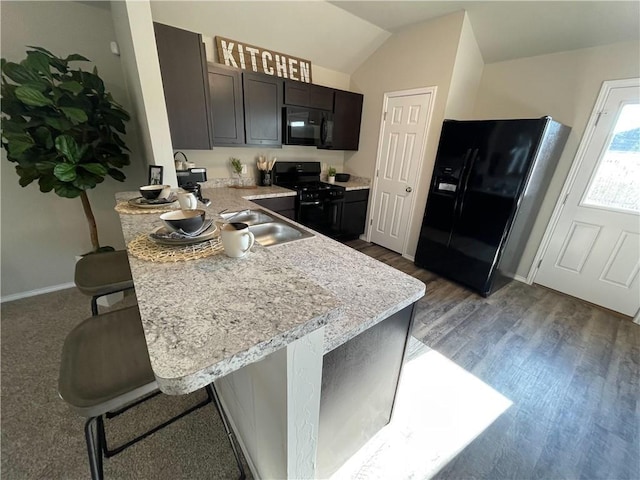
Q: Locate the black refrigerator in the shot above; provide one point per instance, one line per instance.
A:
(489, 180)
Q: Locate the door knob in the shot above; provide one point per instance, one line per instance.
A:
(408, 189)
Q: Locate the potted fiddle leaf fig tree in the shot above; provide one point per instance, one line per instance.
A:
(62, 128)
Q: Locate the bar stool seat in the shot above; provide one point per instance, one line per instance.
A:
(105, 367)
(100, 274)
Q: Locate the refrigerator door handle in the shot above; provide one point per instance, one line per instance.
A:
(462, 190)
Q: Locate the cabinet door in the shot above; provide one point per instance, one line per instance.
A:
(354, 213)
(296, 93)
(183, 69)
(321, 97)
(346, 120)
(227, 114)
(262, 109)
(308, 95)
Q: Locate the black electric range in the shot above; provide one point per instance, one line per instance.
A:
(318, 204)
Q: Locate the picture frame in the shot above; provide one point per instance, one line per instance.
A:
(155, 174)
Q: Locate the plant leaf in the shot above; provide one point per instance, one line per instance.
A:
(40, 49)
(40, 85)
(46, 168)
(32, 97)
(65, 172)
(18, 73)
(18, 143)
(43, 137)
(76, 57)
(95, 168)
(27, 175)
(117, 175)
(67, 190)
(59, 123)
(86, 181)
(46, 183)
(71, 86)
(38, 62)
(68, 147)
(76, 115)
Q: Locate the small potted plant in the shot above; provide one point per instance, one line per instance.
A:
(331, 175)
(236, 165)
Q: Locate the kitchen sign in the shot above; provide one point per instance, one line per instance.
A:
(249, 57)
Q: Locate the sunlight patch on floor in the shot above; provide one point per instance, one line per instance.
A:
(440, 408)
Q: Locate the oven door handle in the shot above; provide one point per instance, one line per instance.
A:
(304, 204)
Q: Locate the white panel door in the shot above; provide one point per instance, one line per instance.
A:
(399, 157)
(594, 250)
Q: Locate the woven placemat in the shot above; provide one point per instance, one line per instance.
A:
(144, 248)
(124, 207)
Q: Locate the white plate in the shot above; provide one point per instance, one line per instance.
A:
(140, 202)
(208, 235)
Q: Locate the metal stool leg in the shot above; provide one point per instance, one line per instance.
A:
(94, 447)
(212, 392)
(94, 306)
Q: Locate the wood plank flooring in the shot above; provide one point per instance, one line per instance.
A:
(571, 369)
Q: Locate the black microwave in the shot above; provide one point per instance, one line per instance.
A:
(308, 126)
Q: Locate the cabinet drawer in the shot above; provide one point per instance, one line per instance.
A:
(356, 195)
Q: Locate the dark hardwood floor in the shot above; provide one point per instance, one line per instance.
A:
(571, 369)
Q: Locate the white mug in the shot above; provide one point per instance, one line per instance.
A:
(187, 200)
(236, 239)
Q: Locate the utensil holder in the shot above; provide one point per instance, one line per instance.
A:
(265, 178)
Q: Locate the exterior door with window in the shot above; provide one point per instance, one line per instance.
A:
(594, 249)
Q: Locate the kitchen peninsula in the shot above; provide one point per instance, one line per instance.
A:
(304, 340)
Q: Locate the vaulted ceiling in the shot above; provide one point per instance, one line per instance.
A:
(513, 29)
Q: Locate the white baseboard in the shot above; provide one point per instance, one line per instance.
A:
(522, 279)
(409, 257)
(37, 291)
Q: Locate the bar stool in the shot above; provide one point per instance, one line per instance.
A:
(105, 370)
(100, 274)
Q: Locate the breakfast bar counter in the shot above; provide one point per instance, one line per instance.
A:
(260, 327)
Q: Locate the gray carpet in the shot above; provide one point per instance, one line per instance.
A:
(43, 438)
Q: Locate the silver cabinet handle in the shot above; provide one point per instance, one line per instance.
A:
(408, 189)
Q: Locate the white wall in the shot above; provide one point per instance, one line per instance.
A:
(42, 233)
(134, 30)
(564, 85)
(423, 55)
(467, 73)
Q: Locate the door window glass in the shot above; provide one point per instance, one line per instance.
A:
(615, 184)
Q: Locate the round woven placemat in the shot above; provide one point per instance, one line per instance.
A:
(144, 248)
(124, 207)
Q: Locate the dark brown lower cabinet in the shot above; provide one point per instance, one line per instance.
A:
(285, 206)
(354, 213)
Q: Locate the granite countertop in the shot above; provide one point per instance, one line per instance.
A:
(206, 318)
(356, 183)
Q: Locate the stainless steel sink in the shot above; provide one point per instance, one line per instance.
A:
(275, 233)
(250, 217)
(267, 229)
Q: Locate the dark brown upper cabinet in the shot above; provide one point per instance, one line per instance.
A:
(347, 115)
(227, 112)
(262, 109)
(308, 95)
(183, 68)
